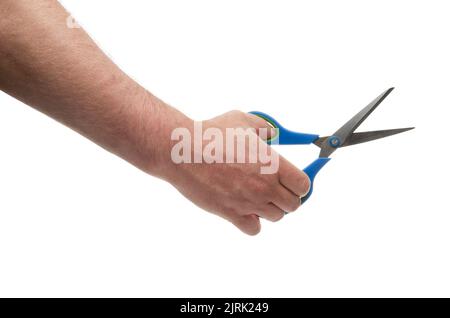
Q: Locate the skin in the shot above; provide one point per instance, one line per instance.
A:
(63, 74)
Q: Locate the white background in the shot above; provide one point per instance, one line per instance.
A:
(77, 221)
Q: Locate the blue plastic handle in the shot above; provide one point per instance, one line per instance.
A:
(285, 136)
(312, 171)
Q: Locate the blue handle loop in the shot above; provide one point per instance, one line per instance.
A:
(312, 171)
(285, 136)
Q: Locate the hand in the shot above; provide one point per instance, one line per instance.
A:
(239, 192)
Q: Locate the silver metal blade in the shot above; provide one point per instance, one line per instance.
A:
(362, 137)
(347, 130)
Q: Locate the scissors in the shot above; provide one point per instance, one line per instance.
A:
(343, 137)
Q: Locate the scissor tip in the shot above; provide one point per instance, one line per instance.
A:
(407, 129)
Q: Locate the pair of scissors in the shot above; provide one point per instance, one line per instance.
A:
(343, 137)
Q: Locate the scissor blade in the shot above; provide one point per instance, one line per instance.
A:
(362, 137)
(347, 130)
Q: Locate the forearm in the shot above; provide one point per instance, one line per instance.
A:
(62, 73)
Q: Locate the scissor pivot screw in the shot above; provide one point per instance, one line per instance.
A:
(334, 142)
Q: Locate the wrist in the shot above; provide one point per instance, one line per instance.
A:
(158, 123)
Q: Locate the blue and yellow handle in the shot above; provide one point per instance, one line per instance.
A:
(285, 136)
(288, 137)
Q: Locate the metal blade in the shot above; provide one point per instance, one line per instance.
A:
(347, 130)
(362, 137)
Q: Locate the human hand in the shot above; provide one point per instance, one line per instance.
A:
(239, 192)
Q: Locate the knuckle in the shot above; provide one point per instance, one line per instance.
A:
(234, 114)
(294, 205)
(260, 188)
(277, 217)
(231, 212)
(265, 193)
(237, 113)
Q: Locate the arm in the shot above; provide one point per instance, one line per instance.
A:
(62, 73)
